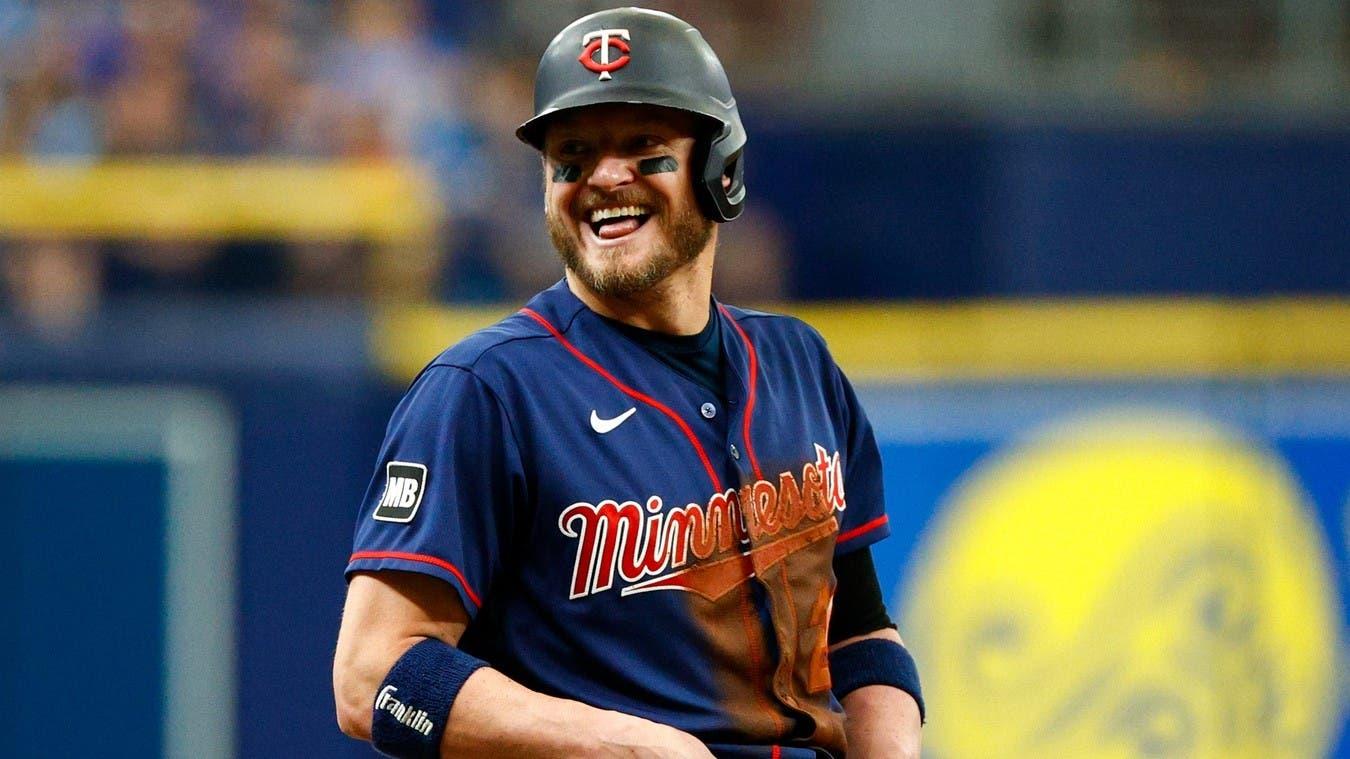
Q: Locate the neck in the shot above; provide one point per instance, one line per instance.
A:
(677, 305)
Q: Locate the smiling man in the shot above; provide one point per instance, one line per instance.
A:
(600, 226)
(629, 520)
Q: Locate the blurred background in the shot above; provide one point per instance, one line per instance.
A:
(1088, 262)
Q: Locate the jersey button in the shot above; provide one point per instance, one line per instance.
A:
(735, 453)
(708, 410)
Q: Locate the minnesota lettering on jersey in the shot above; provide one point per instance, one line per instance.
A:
(650, 551)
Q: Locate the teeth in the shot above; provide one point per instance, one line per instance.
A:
(600, 214)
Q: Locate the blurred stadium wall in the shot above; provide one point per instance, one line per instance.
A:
(1089, 263)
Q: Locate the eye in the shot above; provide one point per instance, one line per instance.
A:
(571, 149)
(647, 141)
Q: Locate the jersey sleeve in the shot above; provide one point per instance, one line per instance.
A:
(443, 498)
(864, 520)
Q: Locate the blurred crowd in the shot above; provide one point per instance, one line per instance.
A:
(440, 85)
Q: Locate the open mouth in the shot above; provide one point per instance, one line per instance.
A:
(613, 223)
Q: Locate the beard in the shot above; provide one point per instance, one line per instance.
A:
(680, 239)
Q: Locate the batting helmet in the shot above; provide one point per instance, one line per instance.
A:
(634, 55)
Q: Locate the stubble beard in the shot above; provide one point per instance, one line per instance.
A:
(682, 238)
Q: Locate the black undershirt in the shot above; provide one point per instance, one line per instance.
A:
(858, 606)
(698, 357)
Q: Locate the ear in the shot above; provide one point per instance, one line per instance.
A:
(726, 182)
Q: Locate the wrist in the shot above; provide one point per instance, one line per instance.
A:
(595, 730)
(613, 728)
(620, 735)
(584, 730)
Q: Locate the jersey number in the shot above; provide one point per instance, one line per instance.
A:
(818, 676)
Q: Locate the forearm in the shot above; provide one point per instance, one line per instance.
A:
(881, 720)
(491, 715)
(495, 716)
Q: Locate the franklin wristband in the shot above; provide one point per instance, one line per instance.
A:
(414, 700)
(874, 661)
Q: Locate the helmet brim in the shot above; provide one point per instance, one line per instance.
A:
(532, 132)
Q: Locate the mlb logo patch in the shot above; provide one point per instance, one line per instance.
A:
(403, 486)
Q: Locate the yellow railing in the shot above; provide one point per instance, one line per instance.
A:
(196, 199)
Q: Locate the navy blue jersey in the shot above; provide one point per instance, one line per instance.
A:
(623, 536)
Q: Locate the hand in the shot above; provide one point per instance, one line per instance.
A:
(629, 737)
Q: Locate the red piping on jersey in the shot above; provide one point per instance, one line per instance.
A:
(432, 560)
(630, 392)
(860, 529)
(750, 400)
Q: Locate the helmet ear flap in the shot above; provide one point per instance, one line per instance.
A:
(719, 201)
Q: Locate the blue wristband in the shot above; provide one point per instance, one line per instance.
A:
(413, 703)
(874, 661)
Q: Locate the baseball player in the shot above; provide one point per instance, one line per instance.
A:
(628, 520)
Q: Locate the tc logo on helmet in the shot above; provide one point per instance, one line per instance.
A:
(602, 41)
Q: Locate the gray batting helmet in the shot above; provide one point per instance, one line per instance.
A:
(635, 55)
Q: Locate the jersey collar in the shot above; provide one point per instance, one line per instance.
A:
(561, 307)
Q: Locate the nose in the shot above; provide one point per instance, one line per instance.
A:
(611, 172)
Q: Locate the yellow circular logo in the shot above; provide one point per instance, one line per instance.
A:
(1129, 585)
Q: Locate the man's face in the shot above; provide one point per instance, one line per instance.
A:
(619, 196)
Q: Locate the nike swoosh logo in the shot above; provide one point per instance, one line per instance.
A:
(605, 425)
